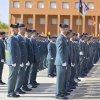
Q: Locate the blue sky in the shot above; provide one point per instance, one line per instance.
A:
(4, 11)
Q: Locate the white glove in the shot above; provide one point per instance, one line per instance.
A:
(73, 65)
(14, 65)
(64, 64)
(81, 53)
(28, 63)
(51, 58)
(2, 60)
(21, 65)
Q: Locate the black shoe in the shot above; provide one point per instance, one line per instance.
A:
(20, 92)
(37, 83)
(79, 80)
(75, 84)
(34, 86)
(27, 89)
(60, 97)
(50, 76)
(2, 83)
(69, 90)
(66, 93)
(13, 95)
(73, 87)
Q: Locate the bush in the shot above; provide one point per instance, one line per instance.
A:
(3, 25)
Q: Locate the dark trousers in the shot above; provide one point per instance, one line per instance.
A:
(26, 76)
(1, 70)
(12, 78)
(20, 78)
(67, 79)
(51, 67)
(73, 73)
(33, 73)
(41, 62)
(45, 61)
(61, 70)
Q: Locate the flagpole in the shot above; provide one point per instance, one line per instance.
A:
(78, 23)
(91, 29)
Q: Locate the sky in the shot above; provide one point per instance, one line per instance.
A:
(4, 11)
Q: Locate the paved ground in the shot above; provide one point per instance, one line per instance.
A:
(88, 88)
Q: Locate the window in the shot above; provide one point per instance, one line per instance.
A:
(18, 20)
(52, 4)
(76, 5)
(66, 21)
(42, 20)
(90, 5)
(65, 5)
(40, 4)
(54, 20)
(80, 22)
(16, 4)
(30, 21)
(89, 22)
(28, 4)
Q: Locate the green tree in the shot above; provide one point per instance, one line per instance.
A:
(3, 25)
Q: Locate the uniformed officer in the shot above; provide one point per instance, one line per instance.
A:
(51, 56)
(2, 55)
(14, 60)
(30, 59)
(60, 61)
(20, 78)
(68, 71)
(36, 55)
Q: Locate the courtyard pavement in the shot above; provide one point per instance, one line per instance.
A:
(87, 89)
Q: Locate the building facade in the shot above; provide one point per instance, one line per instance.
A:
(46, 15)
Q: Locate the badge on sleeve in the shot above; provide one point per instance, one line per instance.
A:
(60, 41)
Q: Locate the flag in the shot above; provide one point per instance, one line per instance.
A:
(80, 7)
(83, 8)
(93, 21)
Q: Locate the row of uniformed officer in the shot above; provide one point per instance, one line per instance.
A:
(75, 55)
(24, 47)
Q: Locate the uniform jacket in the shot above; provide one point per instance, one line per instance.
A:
(22, 48)
(51, 51)
(14, 50)
(61, 50)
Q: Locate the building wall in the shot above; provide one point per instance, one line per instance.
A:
(71, 13)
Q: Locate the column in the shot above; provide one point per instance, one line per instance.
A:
(96, 25)
(83, 27)
(34, 21)
(71, 21)
(22, 19)
(46, 24)
(10, 19)
(58, 24)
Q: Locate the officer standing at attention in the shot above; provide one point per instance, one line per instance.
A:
(51, 56)
(2, 55)
(30, 59)
(14, 60)
(61, 61)
(20, 78)
(36, 55)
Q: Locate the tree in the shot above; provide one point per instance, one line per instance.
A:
(3, 25)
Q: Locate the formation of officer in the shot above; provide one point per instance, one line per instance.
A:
(27, 55)
(68, 57)
(75, 56)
